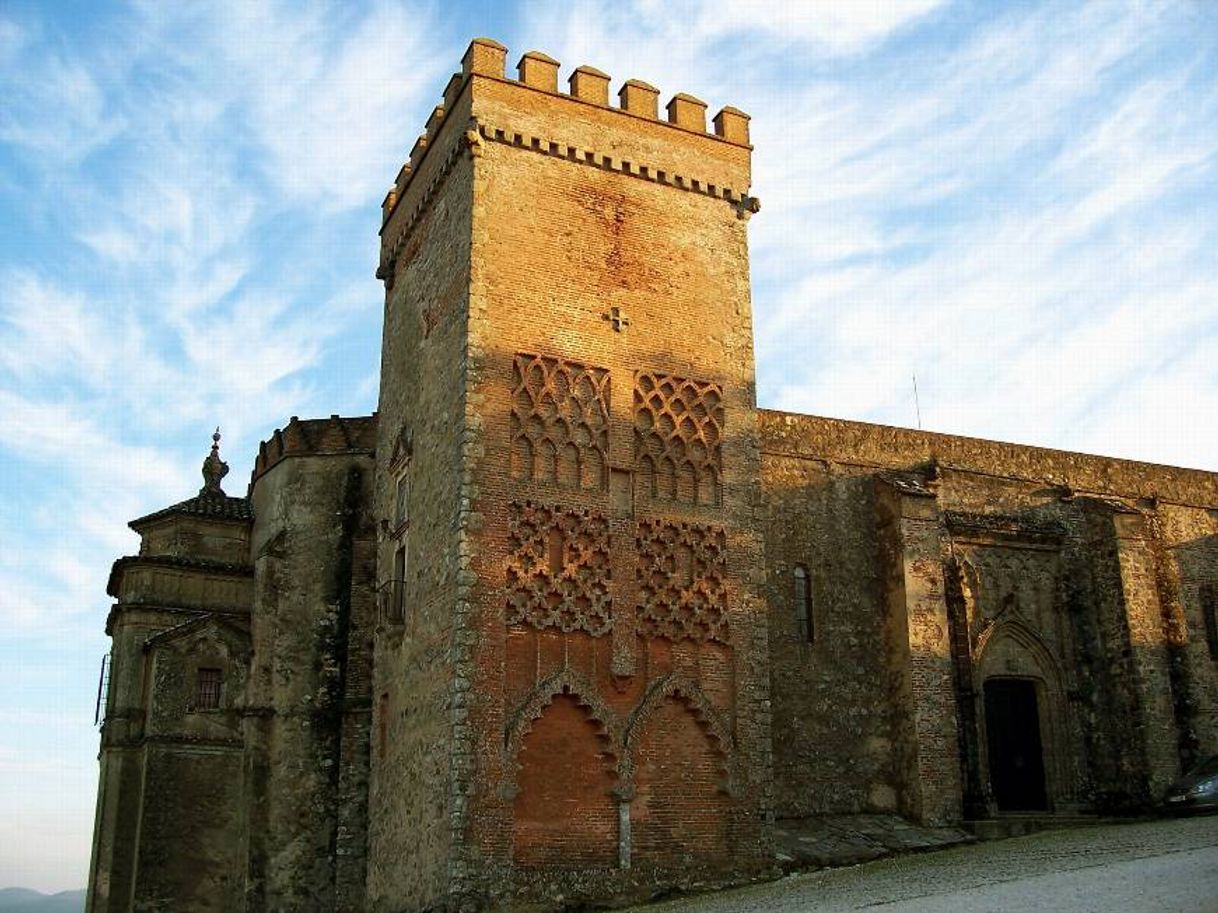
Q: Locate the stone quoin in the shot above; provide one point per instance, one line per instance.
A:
(570, 620)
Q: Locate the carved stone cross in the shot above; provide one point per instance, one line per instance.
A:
(617, 318)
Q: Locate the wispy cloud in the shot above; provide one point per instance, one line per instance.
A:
(190, 196)
(1017, 202)
(40, 78)
(1014, 203)
(829, 26)
(205, 174)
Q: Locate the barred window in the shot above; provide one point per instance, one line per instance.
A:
(207, 689)
(1209, 612)
(803, 603)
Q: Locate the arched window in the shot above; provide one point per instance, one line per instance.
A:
(401, 500)
(803, 603)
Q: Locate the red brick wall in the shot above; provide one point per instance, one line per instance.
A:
(680, 810)
(591, 571)
(564, 813)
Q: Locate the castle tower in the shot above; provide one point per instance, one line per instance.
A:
(570, 666)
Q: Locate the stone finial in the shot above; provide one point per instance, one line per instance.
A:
(539, 71)
(590, 84)
(214, 468)
(484, 56)
(687, 112)
(733, 125)
(638, 97)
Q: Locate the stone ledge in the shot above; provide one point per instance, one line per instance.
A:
(829, 841)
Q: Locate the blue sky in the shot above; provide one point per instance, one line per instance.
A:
(1016, 201)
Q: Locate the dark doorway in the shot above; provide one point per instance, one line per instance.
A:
(1012, 724)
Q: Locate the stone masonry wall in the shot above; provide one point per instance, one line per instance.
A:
(1082, 574)
(307, 705)
(833, 747)
(418, 679)
(1189, 589)
(921, 675)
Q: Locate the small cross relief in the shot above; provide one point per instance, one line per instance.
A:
(617, 319)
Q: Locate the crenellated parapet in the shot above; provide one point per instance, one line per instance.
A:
(580, 123)
(486, 57)
(314, 437)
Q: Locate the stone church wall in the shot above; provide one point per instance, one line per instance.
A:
(569, 621)
(1081, 574)
(831, 704)
(308, 700)
(1186, 537)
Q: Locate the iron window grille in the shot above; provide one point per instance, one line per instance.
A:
(208, 685)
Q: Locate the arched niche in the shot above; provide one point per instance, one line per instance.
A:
(564, 811)
(679, 768)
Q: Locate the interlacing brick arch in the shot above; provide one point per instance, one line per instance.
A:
(559, 747)
(558, 569)
(678, 764)
(681, 570)
(568, 681)
(678, 430)
(559, 422)
(679, 688)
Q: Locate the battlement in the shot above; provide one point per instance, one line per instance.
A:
(586, 85)
(312, 437)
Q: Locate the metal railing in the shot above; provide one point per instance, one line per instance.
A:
(391, 603)
(103, 691)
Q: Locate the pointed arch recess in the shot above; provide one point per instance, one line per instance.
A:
(1056, 751)
(1021, 635)
(564, 811)
(683, 689)
(677, 757)
(568, 682)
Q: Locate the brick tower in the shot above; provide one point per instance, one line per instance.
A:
(571, 684)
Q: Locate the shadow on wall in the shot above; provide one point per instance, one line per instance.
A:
(1073, 688)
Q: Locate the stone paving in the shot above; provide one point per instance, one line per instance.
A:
(1165, 865)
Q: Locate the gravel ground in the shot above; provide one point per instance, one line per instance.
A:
(1166, 866)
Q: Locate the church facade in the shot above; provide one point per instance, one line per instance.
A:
(569, 619)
